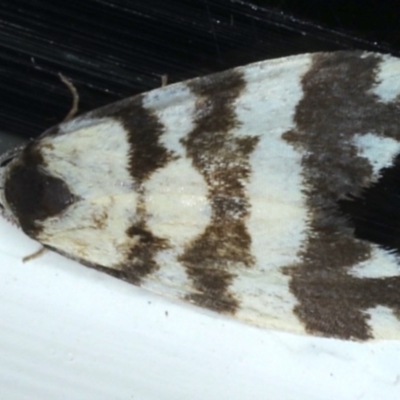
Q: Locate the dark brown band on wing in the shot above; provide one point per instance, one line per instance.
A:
(338, 104)
(146, 156)
(212, 258)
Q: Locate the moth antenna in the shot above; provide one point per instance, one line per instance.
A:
(75, 97)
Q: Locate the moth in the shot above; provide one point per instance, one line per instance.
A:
(268, 192)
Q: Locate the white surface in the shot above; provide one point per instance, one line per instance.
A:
(68, 332)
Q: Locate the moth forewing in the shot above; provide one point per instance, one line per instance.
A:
(266, 192)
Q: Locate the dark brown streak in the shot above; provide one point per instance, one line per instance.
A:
(224, 246)
(147, 155)
(337, 104)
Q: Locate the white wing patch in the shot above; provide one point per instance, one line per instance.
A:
(384, 323)
(278, 218)
(388, 85)
(380, 264)
(178, 210)
(380, 151)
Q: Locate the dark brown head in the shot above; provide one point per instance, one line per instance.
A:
(29, 194)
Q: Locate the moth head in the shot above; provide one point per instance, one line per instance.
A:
(29, 194)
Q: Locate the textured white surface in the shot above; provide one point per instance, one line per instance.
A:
(68, 332)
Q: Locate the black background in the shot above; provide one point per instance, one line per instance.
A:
(111, 49)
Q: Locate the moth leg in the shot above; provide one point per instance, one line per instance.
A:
(34, 255)
(75, 97)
